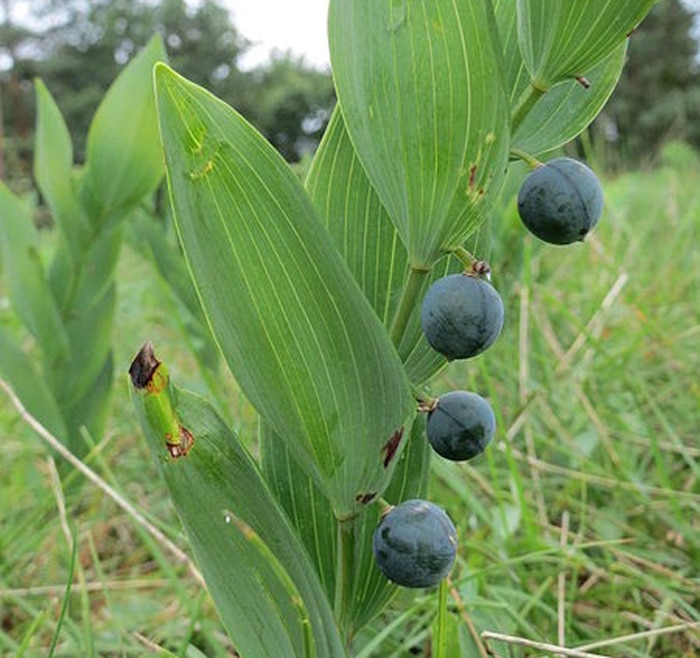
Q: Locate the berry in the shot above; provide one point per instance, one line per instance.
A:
(461, 425)
(415, 544)
(560, 201)
(461, 315)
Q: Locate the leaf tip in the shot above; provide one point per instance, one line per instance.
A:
(162, 72)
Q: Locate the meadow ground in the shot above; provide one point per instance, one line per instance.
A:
(579, 527)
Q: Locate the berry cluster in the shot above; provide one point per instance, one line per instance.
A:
(415, 544)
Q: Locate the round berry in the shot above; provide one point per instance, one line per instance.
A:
(560, 201)
(461, 315)
(461, 425)
(415, 544)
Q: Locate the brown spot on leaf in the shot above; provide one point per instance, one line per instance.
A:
(472, 176)
(390, 447)
(364, 498)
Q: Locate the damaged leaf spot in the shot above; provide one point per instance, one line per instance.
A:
(204, 160)
(150, 377)
(143, 366)
(201, 173)
(391, 446)
(182, 446)
(472, 176)
(365, 498)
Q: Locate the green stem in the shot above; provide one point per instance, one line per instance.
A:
(410, 293)
(440, 628)
(530, 160)
(465, 257)
(527, 101)
(66, 596)
(344, 598)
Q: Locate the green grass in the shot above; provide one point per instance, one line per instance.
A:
(580, 526)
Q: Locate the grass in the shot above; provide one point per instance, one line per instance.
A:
(579, 528)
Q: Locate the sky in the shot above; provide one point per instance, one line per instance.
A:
(296, 25)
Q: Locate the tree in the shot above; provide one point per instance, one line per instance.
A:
(85, 45)
(84, 48)
(658, 95)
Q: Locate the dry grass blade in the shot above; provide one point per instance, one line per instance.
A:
(113, 585)
(542, 646)
(121, 502)
(632, 637)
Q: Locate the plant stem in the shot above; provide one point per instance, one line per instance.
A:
(530, 160)
(344, 576)
(407, 303)
(465, 257)
(440, 628)
(527, 101)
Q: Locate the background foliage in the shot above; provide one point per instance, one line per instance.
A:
(287, 100)
(581, 523)
(658, 95)
(596, 389)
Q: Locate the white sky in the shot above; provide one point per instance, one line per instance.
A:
(296, 25)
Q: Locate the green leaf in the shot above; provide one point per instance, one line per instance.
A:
(295, 329)
(29, 290)
(457, 640)
(124, 158)
(256, 570)
(310, 512)
(516, 77)
(61, 273)
(356, 220)
(371, 590)
(89, 413)
(53, 169)
(421, 90)
(364, 235)
(19, 371)
(568, 108)
(564, 40)
(557, 116)
(97, 267)
(89, 331)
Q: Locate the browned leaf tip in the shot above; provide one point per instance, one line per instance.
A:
(143, 366)
(390, 447)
